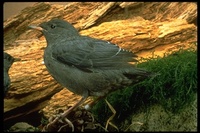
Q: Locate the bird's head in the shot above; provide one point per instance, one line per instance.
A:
(56, 29)
(9, 60)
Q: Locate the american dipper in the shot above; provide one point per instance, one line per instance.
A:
(84, 65)
(8, 61)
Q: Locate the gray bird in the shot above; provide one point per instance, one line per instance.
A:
(8, 61)
(84, 65)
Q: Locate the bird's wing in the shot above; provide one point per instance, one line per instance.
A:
(90, 54)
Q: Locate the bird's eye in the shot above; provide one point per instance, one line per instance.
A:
(53, 26)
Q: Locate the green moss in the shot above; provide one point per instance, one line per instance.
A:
(174, 88)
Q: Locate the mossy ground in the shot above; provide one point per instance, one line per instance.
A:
(173, 88)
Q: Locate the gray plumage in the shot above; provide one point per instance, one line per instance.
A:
(85, 65)
(8, 61)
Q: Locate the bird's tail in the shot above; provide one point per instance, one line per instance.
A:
(138, 74)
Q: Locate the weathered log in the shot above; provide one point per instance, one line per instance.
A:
(86, 14)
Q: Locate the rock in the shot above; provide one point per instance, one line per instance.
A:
(22, 127)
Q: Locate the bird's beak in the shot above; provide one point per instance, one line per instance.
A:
(36, 27)
(17, 59)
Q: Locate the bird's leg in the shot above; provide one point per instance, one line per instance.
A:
(114, 113)
(73, 107)
(91, 104)
(67, 112)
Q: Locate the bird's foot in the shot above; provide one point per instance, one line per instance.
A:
(79, 120)
(55, 121)
(58, 120)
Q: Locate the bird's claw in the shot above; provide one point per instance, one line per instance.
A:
(58, 119)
